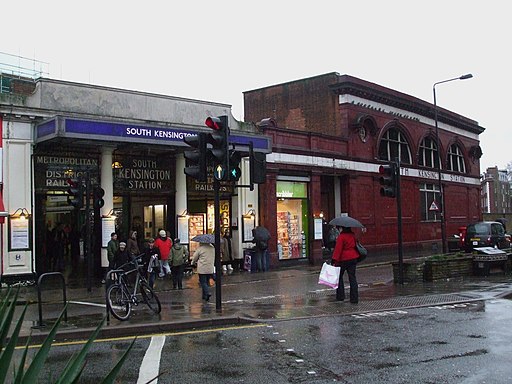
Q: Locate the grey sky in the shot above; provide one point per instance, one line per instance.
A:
(215, 50)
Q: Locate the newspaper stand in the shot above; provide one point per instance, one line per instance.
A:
(489, 258)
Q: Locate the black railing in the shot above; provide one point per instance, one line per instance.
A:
(64, 299)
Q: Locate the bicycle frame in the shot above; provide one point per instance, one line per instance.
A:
(122, 279)
(120, 297)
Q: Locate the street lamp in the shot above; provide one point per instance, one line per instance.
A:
(440, 183)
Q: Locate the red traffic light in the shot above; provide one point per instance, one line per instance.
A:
(214, 123)
(385, 169)
(72, 183)
(388, 180)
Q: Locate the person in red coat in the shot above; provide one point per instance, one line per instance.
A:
(345, 256)
(164, 245)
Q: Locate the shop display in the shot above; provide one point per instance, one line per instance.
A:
(195, 227)
(289, 236)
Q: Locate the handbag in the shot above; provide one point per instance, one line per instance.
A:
(154, 264)
(329, 275)
(361, 251)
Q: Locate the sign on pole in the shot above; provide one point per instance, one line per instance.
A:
(433, 206)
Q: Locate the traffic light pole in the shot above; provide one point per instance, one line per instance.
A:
(88, 242)
(218, 264)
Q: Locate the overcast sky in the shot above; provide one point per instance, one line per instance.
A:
(215, 50)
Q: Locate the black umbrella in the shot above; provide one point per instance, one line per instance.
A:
(260, 233)
(346, 221)
(204, 238)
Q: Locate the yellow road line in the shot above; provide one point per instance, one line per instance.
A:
(191, 332)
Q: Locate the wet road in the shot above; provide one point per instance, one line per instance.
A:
(460, 343)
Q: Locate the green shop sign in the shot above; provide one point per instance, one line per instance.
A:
(291, 189)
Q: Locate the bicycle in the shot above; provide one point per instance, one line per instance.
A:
(120, 295)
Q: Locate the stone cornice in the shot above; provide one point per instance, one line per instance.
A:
(372, 92)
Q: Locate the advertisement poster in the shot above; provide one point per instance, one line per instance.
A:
(20, 234)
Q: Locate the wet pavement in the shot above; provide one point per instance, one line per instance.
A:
(276, 295)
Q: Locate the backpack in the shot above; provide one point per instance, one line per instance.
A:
(262, 244)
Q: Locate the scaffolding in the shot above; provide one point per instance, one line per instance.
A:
(19, 67)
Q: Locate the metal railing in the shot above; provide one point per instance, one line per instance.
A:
(39, 296)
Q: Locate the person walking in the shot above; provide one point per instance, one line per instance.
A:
(152, 259)
(261, 236)
(121, 256)
(204, 258)
(225, 252)
(132, 245)
(112, 247)
(345, 256)
(179, 255)
(164, 245)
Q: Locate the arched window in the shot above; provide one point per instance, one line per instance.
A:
(394, 145)
(428, 156)
(456, 159)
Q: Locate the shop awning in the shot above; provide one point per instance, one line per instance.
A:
(3, 213)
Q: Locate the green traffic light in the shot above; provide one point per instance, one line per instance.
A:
(235, 173)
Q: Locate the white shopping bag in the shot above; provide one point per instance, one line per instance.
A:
(329, 275)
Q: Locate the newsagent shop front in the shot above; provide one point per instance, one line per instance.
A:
(292, 219)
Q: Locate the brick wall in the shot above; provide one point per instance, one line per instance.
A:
(307, 105)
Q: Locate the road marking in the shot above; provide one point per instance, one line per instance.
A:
(87, 303)
(139, 337)
(379, 314)
(453, 306)
(150, 367)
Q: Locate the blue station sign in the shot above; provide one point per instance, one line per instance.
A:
(65, 127)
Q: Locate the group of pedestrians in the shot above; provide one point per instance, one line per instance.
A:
(164, 257)
(161, 256)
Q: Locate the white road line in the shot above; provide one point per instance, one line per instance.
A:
(150, 367)
(87, 303)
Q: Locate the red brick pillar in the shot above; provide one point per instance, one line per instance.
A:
(315, 202)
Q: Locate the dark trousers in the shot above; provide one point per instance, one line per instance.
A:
(177, 276)
(151, 278)
(204, 280)
(238, 265)
(350, 267)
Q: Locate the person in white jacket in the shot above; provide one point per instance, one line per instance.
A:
(204, 258)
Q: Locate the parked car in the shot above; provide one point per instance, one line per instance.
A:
(486, 234)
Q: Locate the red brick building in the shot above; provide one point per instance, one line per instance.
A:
(330, 134)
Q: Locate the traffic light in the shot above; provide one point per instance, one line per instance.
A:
(197, 158)
(219, 139)
(98, 194)
(234, 165)
(258, 167)
(388, 180)
(76, 193)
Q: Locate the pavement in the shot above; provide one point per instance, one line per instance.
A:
(276, 295)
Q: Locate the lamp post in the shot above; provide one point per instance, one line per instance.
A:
(440, 182)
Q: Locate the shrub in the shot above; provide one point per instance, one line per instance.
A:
(29, 372)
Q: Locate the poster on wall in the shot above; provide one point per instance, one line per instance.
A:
(248, 223)
(183, 229)
(19, 234)
(318, 228)
(108, 226)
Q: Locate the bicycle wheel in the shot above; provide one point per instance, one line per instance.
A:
(149, 297)
(118, 302)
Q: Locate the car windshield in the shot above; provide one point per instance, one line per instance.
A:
(478, 229)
